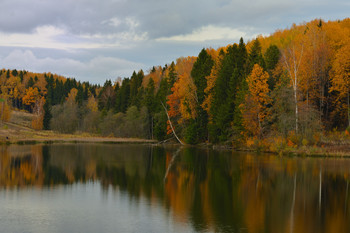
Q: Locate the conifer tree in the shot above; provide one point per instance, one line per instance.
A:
(255, 56)
(201, 69)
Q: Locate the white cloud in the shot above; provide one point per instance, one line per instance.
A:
(210, 33)
(115, 22)
(96, 70)
(49, 31)
(47, 36)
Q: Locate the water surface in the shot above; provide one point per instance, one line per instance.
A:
(138, 188)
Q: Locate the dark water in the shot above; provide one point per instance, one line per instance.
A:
(135, 188)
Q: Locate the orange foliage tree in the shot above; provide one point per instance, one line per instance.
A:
(340, 75)
(38, 110)
(182, 101)
(314, 66)
(254, 109)
(31, 95)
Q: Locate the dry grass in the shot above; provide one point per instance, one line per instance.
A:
(21, 118)
(18, 130)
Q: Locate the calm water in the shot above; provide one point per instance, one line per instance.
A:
(135, 188)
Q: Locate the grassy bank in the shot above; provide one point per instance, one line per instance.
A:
(332, 144)
(18, 130)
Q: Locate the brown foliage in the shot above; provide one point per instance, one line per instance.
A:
(38, 110)
(5, 111)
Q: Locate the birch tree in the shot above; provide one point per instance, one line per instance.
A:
(292, 58)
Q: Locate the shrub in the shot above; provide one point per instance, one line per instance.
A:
(65, 118)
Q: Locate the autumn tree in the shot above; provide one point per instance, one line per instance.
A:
(292, 59)
(92, 118)
(38, 111)
(340, 76)
(254, 110)
(314, 67)
(5, 111)
(183, 100)
(31, 95)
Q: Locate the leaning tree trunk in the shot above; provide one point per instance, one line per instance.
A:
(171, 125)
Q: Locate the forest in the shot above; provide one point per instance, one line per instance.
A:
(288, 88)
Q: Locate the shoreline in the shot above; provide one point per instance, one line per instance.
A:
(80, 139)
(11, 133)
(313, 152)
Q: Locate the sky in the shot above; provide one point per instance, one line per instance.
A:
(96, 40)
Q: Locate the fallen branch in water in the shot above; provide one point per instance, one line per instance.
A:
(164, 141)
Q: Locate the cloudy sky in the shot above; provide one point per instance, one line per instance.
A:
(95, 40)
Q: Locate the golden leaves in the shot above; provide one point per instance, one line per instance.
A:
(30, 96)
(254, 109)
(183, 99)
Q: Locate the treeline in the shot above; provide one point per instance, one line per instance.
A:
(293, 84)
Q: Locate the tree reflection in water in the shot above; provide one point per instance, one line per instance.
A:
(212, 190)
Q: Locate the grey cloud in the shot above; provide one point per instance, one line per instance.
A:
(158, 18)
(127, 32)
(79, 16)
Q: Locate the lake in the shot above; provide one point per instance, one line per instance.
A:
(144, 188)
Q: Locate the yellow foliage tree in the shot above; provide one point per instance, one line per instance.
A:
(156, 74)
(183, 99)
(72, 95)
(92, 104)
(314, 65)
(38, 110)
(31, 95)
(254, 110)
(340, 75)
(5, 111)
